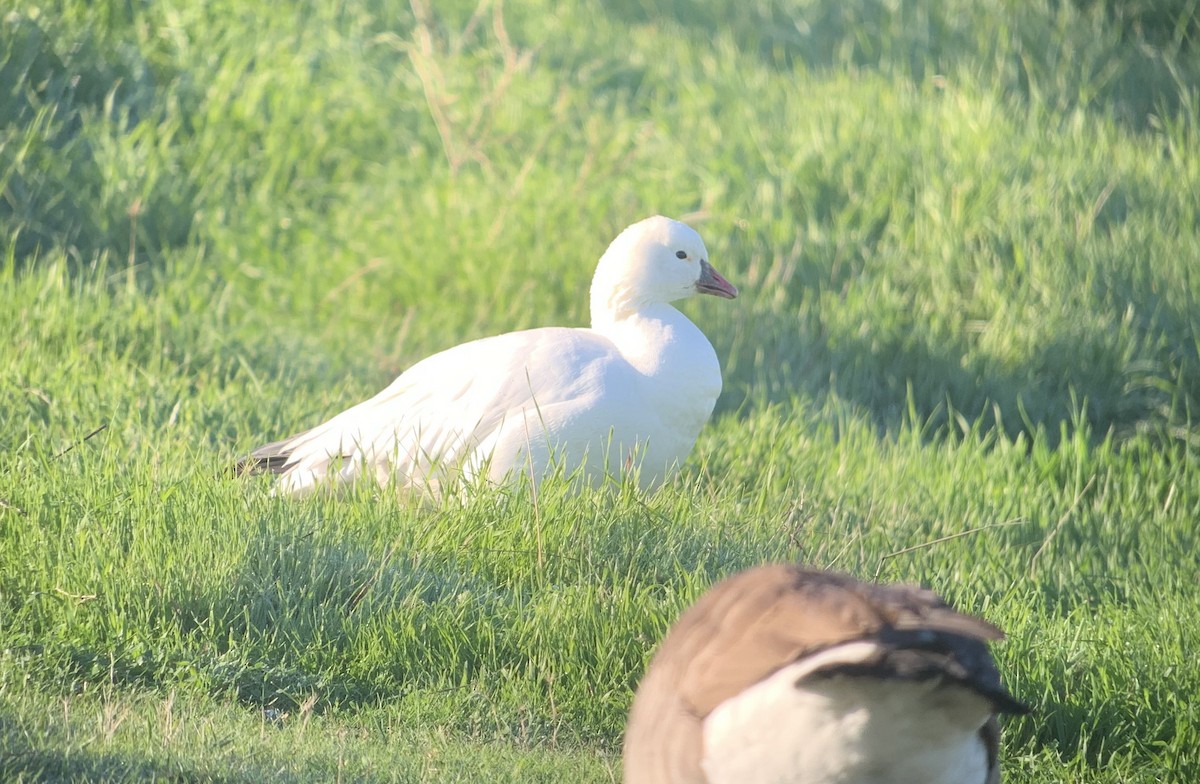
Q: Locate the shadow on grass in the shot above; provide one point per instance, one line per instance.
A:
(1130, 58)
(1078, 727)
(317, 615)
(54, 758)
(1146, 379)
(59, 765)
(53, 180)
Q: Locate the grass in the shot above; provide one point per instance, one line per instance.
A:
(966, 354)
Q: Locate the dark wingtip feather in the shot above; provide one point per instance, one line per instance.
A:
(270, 464)
(959, 656)
(273, 458)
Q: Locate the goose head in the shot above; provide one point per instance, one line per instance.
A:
(654, 261)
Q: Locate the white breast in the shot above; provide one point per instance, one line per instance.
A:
(843, 729)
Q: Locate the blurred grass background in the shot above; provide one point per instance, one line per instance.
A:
(965, 354)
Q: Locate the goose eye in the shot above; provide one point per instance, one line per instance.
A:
(679, 254)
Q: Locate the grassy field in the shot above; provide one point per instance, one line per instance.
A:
(967, 354)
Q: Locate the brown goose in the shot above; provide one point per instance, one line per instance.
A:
(789, 675)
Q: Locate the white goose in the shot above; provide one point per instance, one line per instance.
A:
(781, 675)
(629, 394)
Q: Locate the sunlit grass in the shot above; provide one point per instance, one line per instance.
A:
(965, 355)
